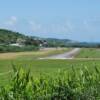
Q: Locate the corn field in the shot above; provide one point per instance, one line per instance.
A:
(66, 85)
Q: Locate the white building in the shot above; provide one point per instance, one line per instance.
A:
(16, 44)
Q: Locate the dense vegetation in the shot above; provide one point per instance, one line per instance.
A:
(41, 66)
(80, 79)
(79, 85)
(13, 41)
(7, 48)
(7, 36)
(53, 42)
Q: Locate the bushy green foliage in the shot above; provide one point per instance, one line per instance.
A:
(7, 48)
(26, 43)
(7, 36)
(66, 85)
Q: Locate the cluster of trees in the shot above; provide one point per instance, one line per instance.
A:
(53, 42)
(25, 43)
(10, 37)
(7, 36)
(8, 48)
(69, 43)
(83, 44)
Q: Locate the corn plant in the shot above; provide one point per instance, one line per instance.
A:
(71, 84)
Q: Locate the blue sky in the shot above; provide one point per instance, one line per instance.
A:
(72, 19)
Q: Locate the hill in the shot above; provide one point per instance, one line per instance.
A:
(10, 37)
(14, 41)
(53, 42)
(7, 36)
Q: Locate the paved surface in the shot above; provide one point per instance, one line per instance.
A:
(67, 55)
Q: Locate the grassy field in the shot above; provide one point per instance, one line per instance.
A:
(25, 59)
(89, 53)
(33, 54)
(80, 82)
(85, 83)
(38, 67)
(29, 60)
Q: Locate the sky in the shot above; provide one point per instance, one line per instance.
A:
(69, 19)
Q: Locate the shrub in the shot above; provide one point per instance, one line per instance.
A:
(7, 48)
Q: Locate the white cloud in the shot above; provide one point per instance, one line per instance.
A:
(66, 27)
(12, 21)
(34, 26)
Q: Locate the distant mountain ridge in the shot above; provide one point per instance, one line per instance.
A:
(10, 37)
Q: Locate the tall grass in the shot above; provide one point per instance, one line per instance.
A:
(66, 85)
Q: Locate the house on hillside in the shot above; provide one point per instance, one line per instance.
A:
(19, 43)
(43, 43)
(16, 44)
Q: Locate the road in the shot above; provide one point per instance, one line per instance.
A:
(67, 55)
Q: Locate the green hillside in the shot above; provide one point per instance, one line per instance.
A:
(7, 36)
(14, 41)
